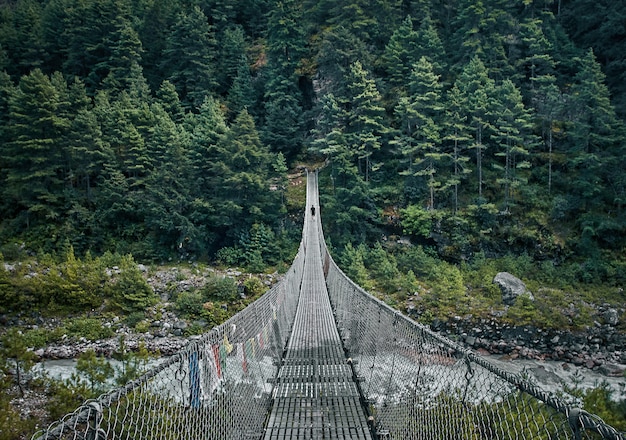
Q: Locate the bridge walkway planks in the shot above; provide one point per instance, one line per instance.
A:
(315, 396)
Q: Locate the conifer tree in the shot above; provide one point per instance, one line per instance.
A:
(242, 94)
(125, 71)
(168, 188)
(549, 104)
(430, 45)
(339, 50)
(231, 57)
(425, 108)
(27, 41)
(595, 132)
(456, 134)
(189, 57)
(401, 53)
(365, 125)
(536, 61)
(246, 165)
(206, 130)
(283, 107)
(33, 155)
(476, 91)
(512, 135)
(168, 98)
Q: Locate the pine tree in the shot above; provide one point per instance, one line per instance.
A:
(365, 118)
(246, 165)
(536, 61)
(125, 72)
(595, 132)
(168, 99)
(7, 89)
(207, 130)
(168, 198)
(425, 101)
(242, 94)
(87, 153)
(33, 157)
(283, 108)
(157, 18)
(457, 135)
(189, 58)
(512, 129)
(430, 45)
(231, 57)
(89, 30)
(483, 28)
(339, 50)
(549, 104)
(476, 88)
(401, 53)
(27, 47)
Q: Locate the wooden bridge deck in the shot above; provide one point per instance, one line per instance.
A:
(315, 395)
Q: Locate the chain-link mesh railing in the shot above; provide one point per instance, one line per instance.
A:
(416, 383)
(218, 387)
(420, 385)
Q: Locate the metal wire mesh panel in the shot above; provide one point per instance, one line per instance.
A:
(415, 383)
(420, 385)
(218, 387)
(315, 396)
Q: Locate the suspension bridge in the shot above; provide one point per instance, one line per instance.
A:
(317, 357)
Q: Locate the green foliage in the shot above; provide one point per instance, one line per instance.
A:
(14, 353)
(524, 312)
(128, 289)
(63, 397)
(96, 369)
(88, 328)
(353, 262)
(132, 363)
(219, 288)
(190, 303)
(150, 129)
(12, 423)
(416, 221)
(41, 337)
(254, 287)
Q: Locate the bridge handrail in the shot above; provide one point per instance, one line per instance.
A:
(578, 419)
(91, 410)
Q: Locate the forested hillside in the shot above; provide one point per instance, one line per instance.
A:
(165, 128)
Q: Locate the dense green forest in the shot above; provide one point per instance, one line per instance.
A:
(487, 133)
(165, 129)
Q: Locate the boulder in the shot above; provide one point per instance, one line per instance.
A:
(511, 287)
(611, 317)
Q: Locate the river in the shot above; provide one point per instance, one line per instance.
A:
(550, 375)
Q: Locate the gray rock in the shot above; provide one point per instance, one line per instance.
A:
(612, 370)
(511, 287)
(611, 317)
(180, 325)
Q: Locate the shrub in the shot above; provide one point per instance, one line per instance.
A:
(128, 289)
(223, 288)
(229, 256)
(190, 303)
(89, 328)
(254, 286)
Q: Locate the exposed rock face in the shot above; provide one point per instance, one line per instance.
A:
(511, 287)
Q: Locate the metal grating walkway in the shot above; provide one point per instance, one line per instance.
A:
(315, 395)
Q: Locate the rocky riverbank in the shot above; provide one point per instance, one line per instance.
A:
(161, 331)
(601, 348)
